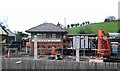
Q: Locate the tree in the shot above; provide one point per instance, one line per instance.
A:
(86, 22)
(72, 25)
(76, 25)
(83, 23)
(68, 26)
(80, 24)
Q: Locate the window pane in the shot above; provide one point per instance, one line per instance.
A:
(49, 36)
(58, 36)
(39, 35)
(49, 47)
(44, 35)
(53, 35)
(42, 46)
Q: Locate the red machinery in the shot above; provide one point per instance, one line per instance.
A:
(103, 44)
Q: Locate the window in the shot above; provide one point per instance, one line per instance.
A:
(53, 35)
(58, 36)
(41, 46)
(49, 47)
(39, 35)
(44, 35)
(49, 36)
(38, 46)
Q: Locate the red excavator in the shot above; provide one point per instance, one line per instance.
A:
(103, 44)
(104, 48)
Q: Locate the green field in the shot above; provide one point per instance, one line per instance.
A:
(106, 26)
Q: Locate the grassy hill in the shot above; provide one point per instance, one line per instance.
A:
(106, 26)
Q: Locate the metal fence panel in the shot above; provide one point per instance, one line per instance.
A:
(10, 63)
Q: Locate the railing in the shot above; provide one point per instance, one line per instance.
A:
(48, 40)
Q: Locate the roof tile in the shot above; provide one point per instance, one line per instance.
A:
(46, 27)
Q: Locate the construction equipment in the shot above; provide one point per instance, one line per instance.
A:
(105, 47)
(103, 44)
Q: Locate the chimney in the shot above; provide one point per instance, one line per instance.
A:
(58, 24)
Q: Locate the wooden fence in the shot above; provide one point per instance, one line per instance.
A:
(27, 63)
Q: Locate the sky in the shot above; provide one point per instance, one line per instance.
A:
(25, 14)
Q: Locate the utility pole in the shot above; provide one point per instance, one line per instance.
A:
(65, 22)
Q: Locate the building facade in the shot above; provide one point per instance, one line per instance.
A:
(3, 34)
(48, 35)
(11, 36)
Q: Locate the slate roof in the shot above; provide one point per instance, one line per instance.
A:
(46, 27)
(10, 33)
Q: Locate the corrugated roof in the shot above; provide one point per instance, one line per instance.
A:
(81, 35)
(114, 34)
(46, 27)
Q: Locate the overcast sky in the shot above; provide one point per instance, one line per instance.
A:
(25, 14)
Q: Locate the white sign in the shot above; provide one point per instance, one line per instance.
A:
(35, 47)
(77, 42)
(82, 42)
(86, 42)
(74, 41)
